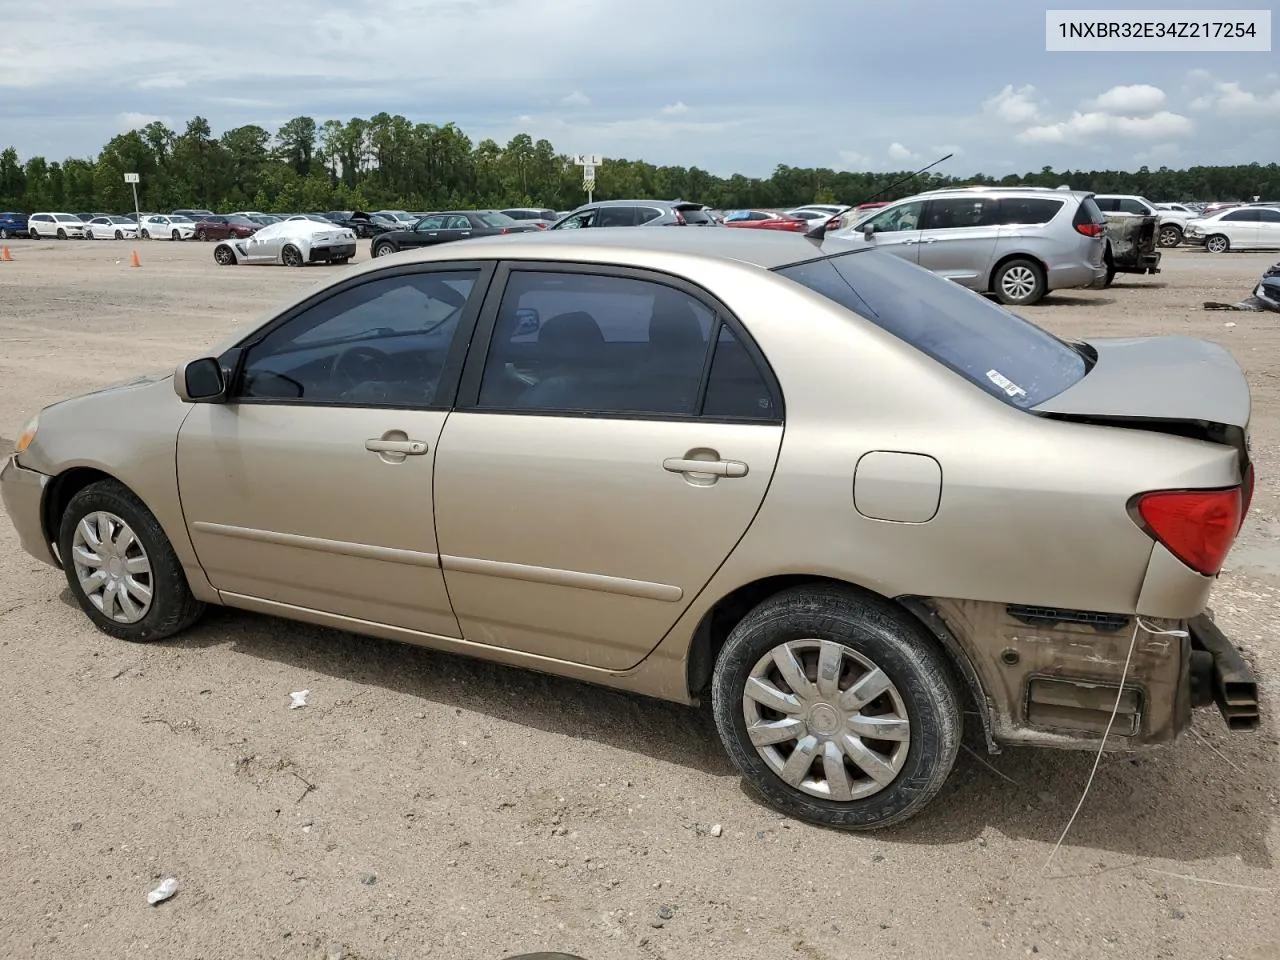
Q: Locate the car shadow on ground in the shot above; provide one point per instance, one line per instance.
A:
(1065, 300)
(1154, 804)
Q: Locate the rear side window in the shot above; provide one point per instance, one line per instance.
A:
(1088, 212)
(646, 214)
(494, 220)
(1245, 216)
(694, 215)
(616, 217)
(1008, 357)
(956, 212)
(1029, 210)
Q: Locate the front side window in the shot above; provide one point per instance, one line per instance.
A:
(429, 223)
(1001, 353)
(955, 212)
(382, 343)
(579, 220)
(1128, 205)
(1028, 211)
(1241, 216)
(903, 217)
(617, 346)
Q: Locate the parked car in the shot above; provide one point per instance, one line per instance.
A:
(446, 227)
(293, 243)
(1018, 243)
(162, 227)
(111, 227)
(540, 217)
(402, 219)
(637, 213)
(1132, 244)
(363, 224)
(1239, 228)
(193, 215)
(63, 226)
(13, 225)
(1170, 224)
(989, 520)
(766, 220)
(86, 217)
(220, 227)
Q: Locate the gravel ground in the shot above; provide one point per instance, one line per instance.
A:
(425, 805)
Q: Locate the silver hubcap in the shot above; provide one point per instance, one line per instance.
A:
(1018, 282)
(113, 569)
(826, 719)
(1168, 237)
(1217, 245)
(384, 251)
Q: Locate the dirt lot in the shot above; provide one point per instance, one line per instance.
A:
(427, 805)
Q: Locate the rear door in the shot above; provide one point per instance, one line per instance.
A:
(958, 239)
(608, 450)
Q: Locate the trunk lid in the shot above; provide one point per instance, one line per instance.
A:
(1179, 385)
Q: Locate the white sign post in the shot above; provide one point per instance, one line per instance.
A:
(588, 162)
(132, 180)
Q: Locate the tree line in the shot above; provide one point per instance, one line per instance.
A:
(389, 162)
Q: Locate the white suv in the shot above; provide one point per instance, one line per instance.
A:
(63, 226)
(1018, 243)
(1170, 224)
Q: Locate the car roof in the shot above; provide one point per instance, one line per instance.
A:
(983, 189)
(769, 249)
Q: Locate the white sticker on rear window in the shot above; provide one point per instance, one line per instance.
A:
(1005, 384)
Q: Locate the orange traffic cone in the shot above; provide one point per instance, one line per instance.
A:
(5, 254)
(136, 261)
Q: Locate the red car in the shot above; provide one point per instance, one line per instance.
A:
(765, 220)
(224, 228)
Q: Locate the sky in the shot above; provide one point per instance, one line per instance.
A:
(731, 87)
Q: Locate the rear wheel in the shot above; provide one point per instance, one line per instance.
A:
(1020, 282)
(340, 261)
(291, 256)
(837, 708)
(1217, 244)
(1170, 235)
(121, 567)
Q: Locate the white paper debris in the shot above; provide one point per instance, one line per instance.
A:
(168, 887)
(1228, 324)
(299, 699)
(1005, 384)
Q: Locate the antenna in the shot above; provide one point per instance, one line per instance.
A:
(818, 232)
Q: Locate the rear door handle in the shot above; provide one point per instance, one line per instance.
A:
(410, 448)
(906, 242)
(716, 468)
(930, 240)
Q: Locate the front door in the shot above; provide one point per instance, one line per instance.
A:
(312, 486)
(425, 232)
(1269, 229)
(598, 470)
(1241, 227)
(958, 238)
(896, 230)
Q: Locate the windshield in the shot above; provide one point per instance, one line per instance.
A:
(1008, 357)
(67, 218)
(128, 220)
(181, 219)
(496, 219)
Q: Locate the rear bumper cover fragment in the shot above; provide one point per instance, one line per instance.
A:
(1230, 681)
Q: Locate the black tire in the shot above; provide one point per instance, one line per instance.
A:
(1218, 240)
(173, 608)
(62, 234)
(890, 639)
(32, 234)
(224, 256)
(1170, 235)
(291, 256)
(1019, 283)
(175, 236)
(340, 261)
(4, 234)
(383, 249)
(119, 234)
(200, 235)
(146, 234)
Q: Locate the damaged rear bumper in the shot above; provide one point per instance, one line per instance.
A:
(1220, 675)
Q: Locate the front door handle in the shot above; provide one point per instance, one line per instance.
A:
(906, 242)
(716, 468)
(929, 240)
(409, 448)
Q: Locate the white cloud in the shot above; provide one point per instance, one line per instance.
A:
(1231, 99)
(898, 152)
(1014, 107)
(946, 148)
(132, 120)
(524, 118)
(1137, 99)
(1086, 127)
(1161, 154)
(576, 99)
(675, 109)
(162, 81)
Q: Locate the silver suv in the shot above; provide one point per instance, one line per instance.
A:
(1016, 242)
(638, 213)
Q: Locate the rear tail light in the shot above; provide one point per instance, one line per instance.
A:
(1196, 526)
(1094, 230)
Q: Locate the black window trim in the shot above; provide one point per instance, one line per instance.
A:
(468, 391)
(233, 359)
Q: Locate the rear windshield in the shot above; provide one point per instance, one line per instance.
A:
(694, 215)
(1006, 356)
(496, 219)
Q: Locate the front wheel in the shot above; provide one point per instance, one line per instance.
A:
(4, 234)
(837, 707)
(146, 234)
(383, 250)
(223, 256)
(200, 235)
(291, 256)
(62, 234)
(121, 567)
(119, 235)
(1020, 283)
(1217, 244)
(175, 236)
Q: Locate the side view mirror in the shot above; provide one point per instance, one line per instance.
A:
(868, 232)
(200, 381)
